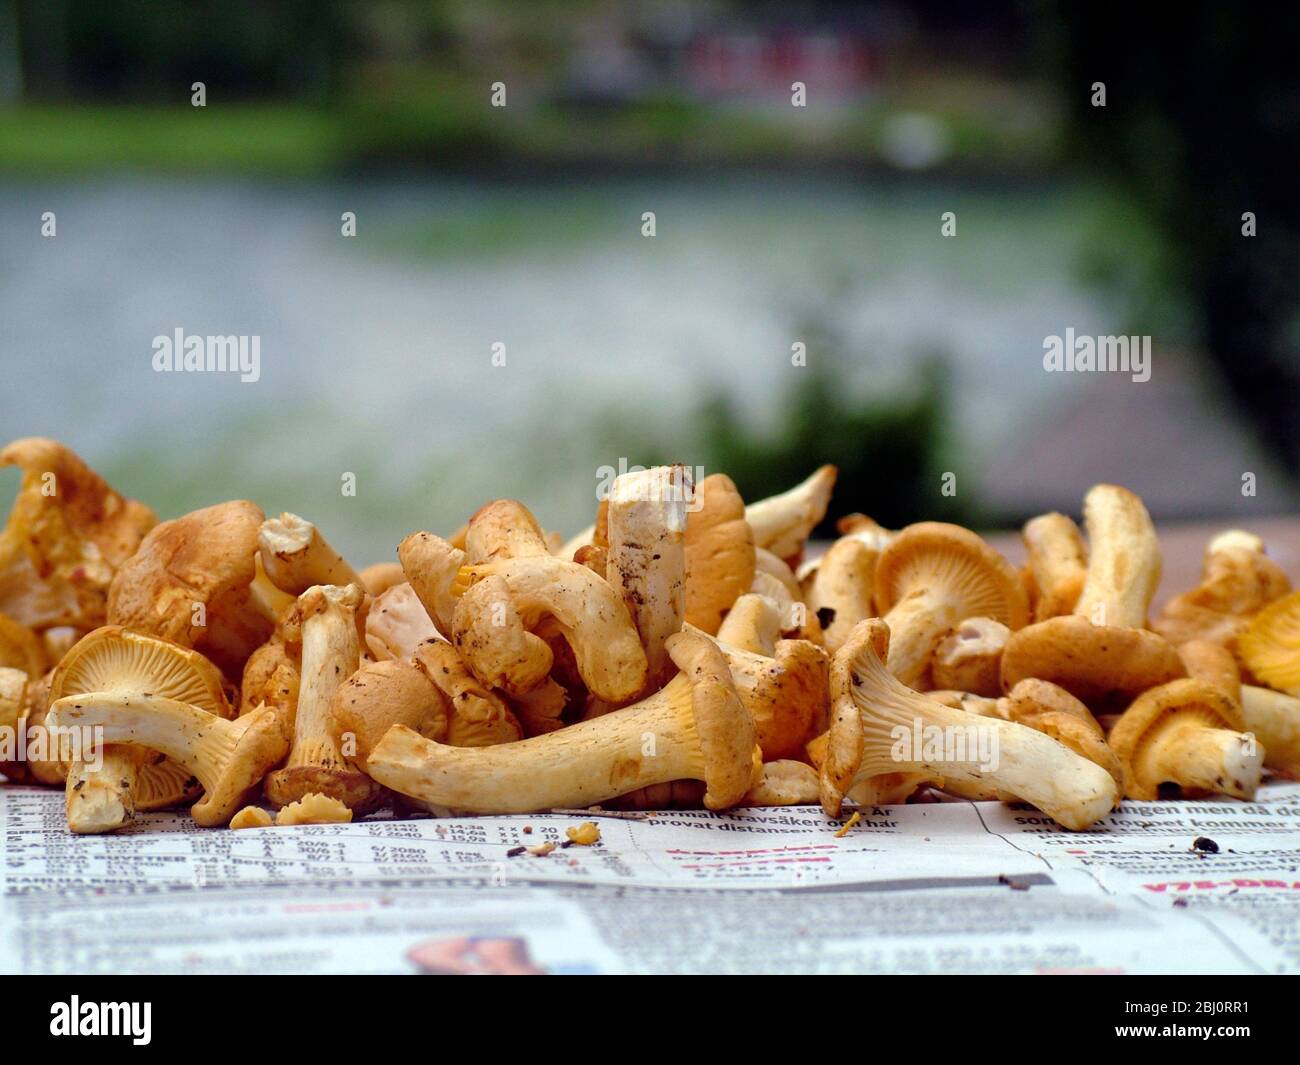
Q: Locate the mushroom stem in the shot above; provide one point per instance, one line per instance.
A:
(296, 556)
(1059, 562)
(844, 584)
(693, 728)
(753, 624)
(1193, 755)
(264, 596)
(431, 564)
(877, 724)
(1274, 718)
(782, 523)
(1124, 565)
(647, 557)
(918, 622)
(227, 757)
(102, 799)
(586, 609)
(330, 655)
(586, 763)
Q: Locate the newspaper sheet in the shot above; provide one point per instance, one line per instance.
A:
(928, 887)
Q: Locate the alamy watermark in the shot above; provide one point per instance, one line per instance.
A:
(77, 1018)
(58, 743)
(678, 487)
(208, 354)
(1085, 354)
(933, 744)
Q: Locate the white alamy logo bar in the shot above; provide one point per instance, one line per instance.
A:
(192, 353)
(103, 1018)
(1098, 354)
(53, 743)
(936, 744)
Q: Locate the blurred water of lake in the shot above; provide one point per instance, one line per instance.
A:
(377, 351)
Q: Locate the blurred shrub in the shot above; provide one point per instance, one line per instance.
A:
(889, 449)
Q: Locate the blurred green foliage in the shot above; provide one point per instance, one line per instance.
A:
(284, 140)
(890, 450)
(300, 86)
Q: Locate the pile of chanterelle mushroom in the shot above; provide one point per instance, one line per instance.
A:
(679, 652)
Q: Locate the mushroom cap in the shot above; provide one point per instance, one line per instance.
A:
(947, 560)
(776, 569)
(532, 591)
(382, 694)
(1099, 664)
(1213, 663)
(1058, 563)
(1033, 696)
(262, 742)
(51, 771)
(979, 705)
(1185, 698)
(115, 659)
(752, 624)
(542, 710)
(733, 761)
(21, 648)
(496, 641)
(59, 550)
(785, 782)
(1270, 646)
(503, 528)
(865, 528)
(204, 557)
(720, 554)
(161, 783)
(787, 695)
(1237, 581)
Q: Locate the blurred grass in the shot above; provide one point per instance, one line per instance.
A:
(443, 121)
(276, 139)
